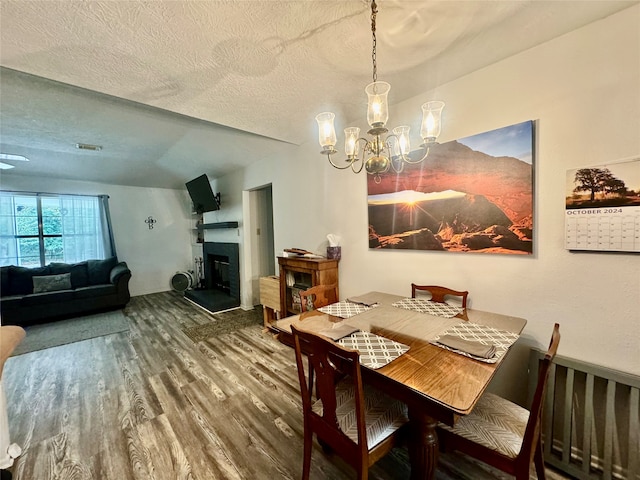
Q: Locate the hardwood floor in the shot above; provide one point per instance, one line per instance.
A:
(151, 404)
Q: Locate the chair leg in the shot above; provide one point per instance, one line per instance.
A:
(306, 462)
(538, 459)
(363, 472)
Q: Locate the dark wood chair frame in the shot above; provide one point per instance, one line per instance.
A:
(321, 295)
(438, 294)
(331, 363)
(531, 449)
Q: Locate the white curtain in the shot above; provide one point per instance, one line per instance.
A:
(8, 245)
(85, 228)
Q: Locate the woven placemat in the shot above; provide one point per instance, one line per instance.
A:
(375, 351)
(427, 306)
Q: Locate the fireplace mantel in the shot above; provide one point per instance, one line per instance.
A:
(218, 225)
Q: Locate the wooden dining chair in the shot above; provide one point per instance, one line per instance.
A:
(438, 294)
(357, 422)
(318, 296)
(501, 433)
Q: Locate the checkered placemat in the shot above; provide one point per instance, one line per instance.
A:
(474, 332)
(427, 306)
(375, 351)
(345, 309)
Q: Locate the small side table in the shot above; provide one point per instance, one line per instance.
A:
(270, 299)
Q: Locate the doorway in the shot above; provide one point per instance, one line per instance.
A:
(263, 258)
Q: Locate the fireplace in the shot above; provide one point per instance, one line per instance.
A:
(221, 277)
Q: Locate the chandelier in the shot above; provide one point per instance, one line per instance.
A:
(382, 151)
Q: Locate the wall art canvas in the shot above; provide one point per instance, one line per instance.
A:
(602, 207)
(470, 195)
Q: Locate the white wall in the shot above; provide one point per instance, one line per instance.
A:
(152, 255)
(583, 90)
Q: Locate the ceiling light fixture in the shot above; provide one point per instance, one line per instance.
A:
(88, 146)
(11, 157)
(379, 148)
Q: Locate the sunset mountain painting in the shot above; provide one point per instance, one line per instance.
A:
(470, 195)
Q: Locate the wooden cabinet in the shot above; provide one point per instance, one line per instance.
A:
(300, 273)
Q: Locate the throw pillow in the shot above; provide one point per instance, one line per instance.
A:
(51, 283)
(99, 270)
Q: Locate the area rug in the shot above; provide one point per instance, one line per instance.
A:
(225, 322)
(72, 330)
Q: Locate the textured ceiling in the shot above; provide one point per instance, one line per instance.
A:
(174, 89)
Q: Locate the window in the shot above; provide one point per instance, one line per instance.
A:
(37, 229)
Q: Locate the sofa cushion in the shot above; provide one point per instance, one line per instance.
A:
(11, 302)
(20, 282)
(56, 268)
(51, 283)
(47, 297)
(4, 281)
(93, 291)
(79, 272)
(99, 270)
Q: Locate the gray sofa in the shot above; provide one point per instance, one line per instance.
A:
(60, 290)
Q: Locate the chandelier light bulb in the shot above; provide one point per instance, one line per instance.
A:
(326, 130)
(378, 109)
(431, 121)
(351, 135)
(403, 143)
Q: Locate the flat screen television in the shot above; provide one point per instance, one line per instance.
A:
(202, 195)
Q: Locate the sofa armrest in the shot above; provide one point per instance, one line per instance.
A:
(118, 271)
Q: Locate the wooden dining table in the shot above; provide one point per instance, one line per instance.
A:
(436, 384)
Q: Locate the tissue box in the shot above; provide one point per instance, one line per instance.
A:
(334, 253)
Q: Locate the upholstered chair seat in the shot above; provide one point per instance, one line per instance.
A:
(495, 423)
(383, 415)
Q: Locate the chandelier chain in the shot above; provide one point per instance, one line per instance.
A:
(374, 11)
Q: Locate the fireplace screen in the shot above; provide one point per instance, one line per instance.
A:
(219, 272)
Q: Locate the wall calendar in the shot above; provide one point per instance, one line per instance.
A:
(602, 209)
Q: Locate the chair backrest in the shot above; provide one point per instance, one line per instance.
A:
(439, 293)
(318, 296)
(330, 364)
(532, 432)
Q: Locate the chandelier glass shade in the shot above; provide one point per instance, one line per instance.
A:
(383, 150)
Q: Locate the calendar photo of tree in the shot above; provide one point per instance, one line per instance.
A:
(613, 185)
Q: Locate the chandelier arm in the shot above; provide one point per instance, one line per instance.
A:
(362, 150)
(406, 158)
(394, 159)
(427, 149)
(350, 162)
(353, 165)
